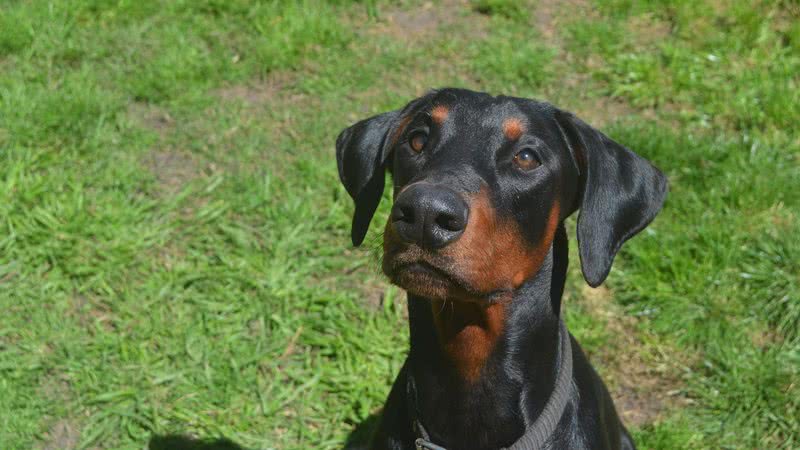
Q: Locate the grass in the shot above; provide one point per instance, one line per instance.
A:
(174, 243)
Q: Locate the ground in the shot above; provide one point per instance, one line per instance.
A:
(175, 265)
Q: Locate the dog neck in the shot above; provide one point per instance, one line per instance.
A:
(464, 356)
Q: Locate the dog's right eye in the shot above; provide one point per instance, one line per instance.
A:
(417, 140)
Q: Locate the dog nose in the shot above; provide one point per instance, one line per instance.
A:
(429, 215)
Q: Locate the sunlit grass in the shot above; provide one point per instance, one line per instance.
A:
(174, 243)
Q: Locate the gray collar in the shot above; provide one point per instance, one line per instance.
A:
(542, 428)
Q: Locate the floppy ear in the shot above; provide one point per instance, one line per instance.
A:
(620, 194)
(361, 153)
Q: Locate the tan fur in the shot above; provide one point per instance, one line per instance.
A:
(492, 252)
(439, 114)
(468, 333)
(513, 128)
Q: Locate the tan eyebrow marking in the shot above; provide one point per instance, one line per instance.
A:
(513, 128)
(439, 114)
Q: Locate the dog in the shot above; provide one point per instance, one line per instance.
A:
(476, 236)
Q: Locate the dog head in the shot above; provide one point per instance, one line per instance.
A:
(480, 185)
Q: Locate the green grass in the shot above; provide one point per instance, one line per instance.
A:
(174, 243)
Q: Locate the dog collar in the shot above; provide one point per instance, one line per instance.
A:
(542, 428)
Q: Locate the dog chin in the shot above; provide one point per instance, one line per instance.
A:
(422, 279)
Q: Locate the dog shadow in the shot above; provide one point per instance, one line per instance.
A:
(358, 439)
(179, 442)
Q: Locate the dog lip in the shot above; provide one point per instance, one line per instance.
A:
(422, 266)
(425, 266)
(468, 293)
(403, 263)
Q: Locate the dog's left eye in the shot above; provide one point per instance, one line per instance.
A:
(526, 159)
(417, 140)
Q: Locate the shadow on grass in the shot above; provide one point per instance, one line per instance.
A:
(177, 442)
(359, 438)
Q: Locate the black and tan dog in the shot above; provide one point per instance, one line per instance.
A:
(482, 186)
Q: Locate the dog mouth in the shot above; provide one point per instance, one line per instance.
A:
(432, 277)
(422, 268)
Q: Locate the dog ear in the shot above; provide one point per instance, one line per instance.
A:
(361, 154)
(620, 193)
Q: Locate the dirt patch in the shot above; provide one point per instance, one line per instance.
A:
(173, 169)
(649, 30)
(783, 218)
(259, 93)
(264, 108)
(426, 21)
(8, 276)
(577, 94)
(90, 313)
(151, 117)
(55, 388)
(643, 382)
(549, 16)
(416, 23)
(63, 435)
(575, 89)
(642, 393)
(765, 338)
(602, 111)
